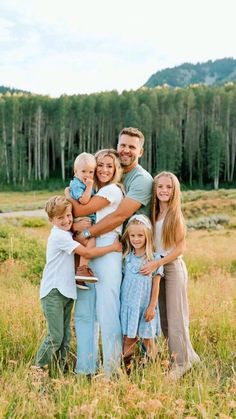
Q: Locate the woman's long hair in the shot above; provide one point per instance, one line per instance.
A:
(110, 152)
(174, 217)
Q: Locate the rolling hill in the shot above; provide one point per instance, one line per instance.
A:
(216, 72)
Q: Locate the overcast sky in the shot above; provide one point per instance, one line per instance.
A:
(84, 46)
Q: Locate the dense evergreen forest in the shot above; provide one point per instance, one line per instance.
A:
(190, 131)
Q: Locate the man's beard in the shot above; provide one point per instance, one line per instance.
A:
(127, 163)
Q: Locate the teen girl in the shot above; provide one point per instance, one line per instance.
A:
(169, 230)
(139, 293)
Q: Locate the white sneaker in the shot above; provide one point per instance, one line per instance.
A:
(84, 273)
(82, 286)
(178, 371)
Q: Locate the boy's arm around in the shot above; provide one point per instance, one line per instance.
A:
(95, 252)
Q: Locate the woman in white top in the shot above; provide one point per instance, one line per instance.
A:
(169, 228)
(100, 305)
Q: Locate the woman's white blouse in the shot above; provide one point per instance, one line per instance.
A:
(114, 195)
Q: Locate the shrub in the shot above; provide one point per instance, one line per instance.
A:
(3, 232)
(33, 222)
(19, 247)
(212, 222)
(233, 266)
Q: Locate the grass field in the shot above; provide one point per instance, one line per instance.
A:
(207, 391)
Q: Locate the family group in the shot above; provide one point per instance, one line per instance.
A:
(116, 249)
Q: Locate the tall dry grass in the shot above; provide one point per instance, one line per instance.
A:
(207, 391)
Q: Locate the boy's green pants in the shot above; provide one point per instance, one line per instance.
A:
(54, 348)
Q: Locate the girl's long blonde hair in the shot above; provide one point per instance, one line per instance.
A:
(174, 217)
(150, 247)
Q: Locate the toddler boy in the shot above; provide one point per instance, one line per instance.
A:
(81, 189)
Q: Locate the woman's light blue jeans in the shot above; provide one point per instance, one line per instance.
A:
(100, 307)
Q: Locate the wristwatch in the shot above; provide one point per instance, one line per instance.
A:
(86, 233)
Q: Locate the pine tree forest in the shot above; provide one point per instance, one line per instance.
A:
(190, 131)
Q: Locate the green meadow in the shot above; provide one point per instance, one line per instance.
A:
(207, 391)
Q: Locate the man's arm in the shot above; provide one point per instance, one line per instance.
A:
(126, 208)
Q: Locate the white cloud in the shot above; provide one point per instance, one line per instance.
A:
(5, 30)
(75, 46)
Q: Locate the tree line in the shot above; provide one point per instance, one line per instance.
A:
(190, 131)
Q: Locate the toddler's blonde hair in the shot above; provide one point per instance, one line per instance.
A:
(85, 158)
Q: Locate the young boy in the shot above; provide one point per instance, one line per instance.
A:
(81, 189)
(58, 288)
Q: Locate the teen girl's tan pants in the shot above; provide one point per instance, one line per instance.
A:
(174, 312)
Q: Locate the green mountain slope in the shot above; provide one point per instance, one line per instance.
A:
(211, 73)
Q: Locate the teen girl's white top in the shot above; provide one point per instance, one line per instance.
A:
(158, 236)
(59, 271)
(114, 195)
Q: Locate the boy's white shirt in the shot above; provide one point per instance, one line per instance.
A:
(59, 270)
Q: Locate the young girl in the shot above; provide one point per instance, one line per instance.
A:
(139, 293)
(169, 230)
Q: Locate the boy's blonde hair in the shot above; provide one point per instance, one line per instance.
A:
(85, 158)
(133, 132)
(150, 247)
(56, 206)
(110, 152)
(174, 217)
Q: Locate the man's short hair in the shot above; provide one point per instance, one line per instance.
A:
(56, 206)
(133, 132)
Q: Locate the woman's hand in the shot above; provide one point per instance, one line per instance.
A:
(150, 313)
(150, 267)
(117, 246)
(67, 193)
(82, 224)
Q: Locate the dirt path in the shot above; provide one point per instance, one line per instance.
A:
(29, 213)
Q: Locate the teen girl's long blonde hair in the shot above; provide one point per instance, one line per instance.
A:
(174, 217)
(150, 247)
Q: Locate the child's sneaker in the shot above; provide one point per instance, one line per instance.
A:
(81, 285)
(84, 273)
